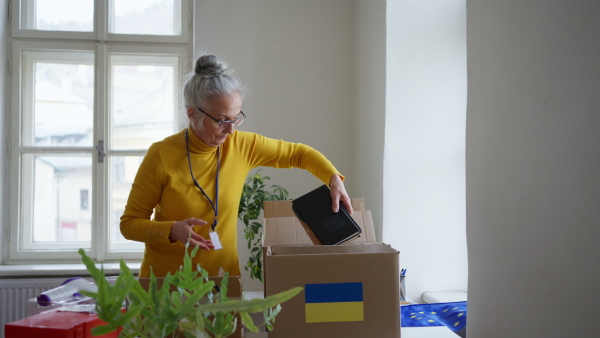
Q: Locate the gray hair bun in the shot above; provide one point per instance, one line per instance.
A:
(210, 77)
(210, 66)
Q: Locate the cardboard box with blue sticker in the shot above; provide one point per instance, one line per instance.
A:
(350, 290)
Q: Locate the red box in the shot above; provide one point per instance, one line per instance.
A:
(56, 324)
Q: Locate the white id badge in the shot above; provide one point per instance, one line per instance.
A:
(214, 237)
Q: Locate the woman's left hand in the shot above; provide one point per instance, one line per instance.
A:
(339, 194)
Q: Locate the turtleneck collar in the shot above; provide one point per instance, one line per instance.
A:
(197, 146)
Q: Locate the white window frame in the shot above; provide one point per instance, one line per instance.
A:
(102, 44)
(102, 8)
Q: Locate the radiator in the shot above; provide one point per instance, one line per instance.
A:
(14, 294)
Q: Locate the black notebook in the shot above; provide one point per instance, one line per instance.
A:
(314, 209)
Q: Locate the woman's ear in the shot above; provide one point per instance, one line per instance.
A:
(190, 113)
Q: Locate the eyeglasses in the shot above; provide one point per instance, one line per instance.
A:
(224, 124)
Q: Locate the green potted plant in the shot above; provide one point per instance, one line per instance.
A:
(254, 194)
(194, 309)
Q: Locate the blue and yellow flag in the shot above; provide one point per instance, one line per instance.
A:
(452, 315)
(334, 302)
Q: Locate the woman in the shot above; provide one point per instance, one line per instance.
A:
(192, 181)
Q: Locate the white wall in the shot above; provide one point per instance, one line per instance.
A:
(533, 141)
(4, 118)
(424, 171)
(369, 130)
(297, 59)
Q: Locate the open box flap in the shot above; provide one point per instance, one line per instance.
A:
(282, 227)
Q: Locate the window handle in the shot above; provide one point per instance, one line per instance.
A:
(101, 153)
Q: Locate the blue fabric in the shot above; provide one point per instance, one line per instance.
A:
(452, 315)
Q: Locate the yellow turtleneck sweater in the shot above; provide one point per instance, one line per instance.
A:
(163, 185)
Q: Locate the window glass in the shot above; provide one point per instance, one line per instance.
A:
(64, 98)
(85, 199)
(58, 15)
(54, 201)
(149, 17)
(122, 172)
(143, 100)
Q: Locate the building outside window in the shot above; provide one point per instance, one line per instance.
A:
(84, 199)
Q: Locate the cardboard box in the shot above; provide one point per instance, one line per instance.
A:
(350, 290)
(234, 291)
(56, 324)
(284, 228)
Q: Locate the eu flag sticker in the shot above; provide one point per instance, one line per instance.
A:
(334, 302)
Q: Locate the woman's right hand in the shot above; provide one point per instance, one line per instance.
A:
(182, 231)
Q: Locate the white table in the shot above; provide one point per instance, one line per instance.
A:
(428, 332)
(406, 332)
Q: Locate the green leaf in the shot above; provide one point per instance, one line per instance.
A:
(254, 194)
(126, 316)
(176, 301)
(269, 316)
(248, 322)
(253, 305)
(102, 329)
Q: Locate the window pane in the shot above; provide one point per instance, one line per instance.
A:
(63, 99)
(143, 100)
(122, 173)
(58, 15)
(147, 17)
(54, 205)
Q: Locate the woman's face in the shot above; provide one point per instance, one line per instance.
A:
(222, 108)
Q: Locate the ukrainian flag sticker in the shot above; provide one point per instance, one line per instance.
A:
(334, 302)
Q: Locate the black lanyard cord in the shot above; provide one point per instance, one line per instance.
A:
(214, 205)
